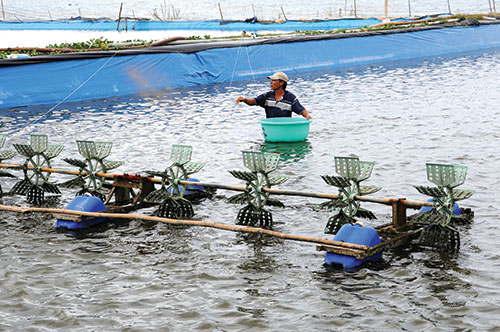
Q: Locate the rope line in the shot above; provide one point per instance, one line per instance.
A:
(236, 61)
(250, 65)
(234, 66)
(18, 131)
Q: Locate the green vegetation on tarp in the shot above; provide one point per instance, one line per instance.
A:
(103, 44)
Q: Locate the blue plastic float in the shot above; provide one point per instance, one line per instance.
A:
(191, 191)
(357, 234)
(85, 204)
(456, 209)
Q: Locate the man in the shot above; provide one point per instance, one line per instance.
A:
(278, 102)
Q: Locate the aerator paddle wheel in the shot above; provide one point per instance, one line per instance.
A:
(36, 182)
(351, 172)
(170, 196)
(260, 164)
(433, 226)
(437, 222)
(88, 178)
(4, 155)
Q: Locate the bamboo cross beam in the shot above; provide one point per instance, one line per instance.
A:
(57, 170)
(346, 247)
(385, 201)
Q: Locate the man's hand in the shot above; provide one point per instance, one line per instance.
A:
(247, 101)
(306, 115)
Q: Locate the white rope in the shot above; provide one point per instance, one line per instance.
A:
(234, 66)
(248, 60)
(250, 65)
(65, 98)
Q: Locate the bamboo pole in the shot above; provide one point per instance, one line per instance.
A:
(220, 12)
(386, 7)
(3, 11)
(393, 242)
(58, 170)
(489, 3)
(409, 8)
(119, 17)
(384, 201)
(210, 224)
(283, 13)
(449, 7)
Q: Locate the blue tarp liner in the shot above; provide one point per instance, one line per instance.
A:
(102, 25)
(114, 73)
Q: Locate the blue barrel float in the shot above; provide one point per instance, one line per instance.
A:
(456, 208)
(357, 234)
(285, 129)
(83, 203)
(192, 191)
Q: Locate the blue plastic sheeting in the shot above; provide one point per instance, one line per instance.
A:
(291, 25)
(77, 80)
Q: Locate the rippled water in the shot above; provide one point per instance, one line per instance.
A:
(136, 276)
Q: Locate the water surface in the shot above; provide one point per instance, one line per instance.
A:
(136, 276)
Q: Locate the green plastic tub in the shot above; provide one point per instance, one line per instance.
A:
(285, 129)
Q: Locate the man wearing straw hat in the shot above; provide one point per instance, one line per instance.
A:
(278, 102)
